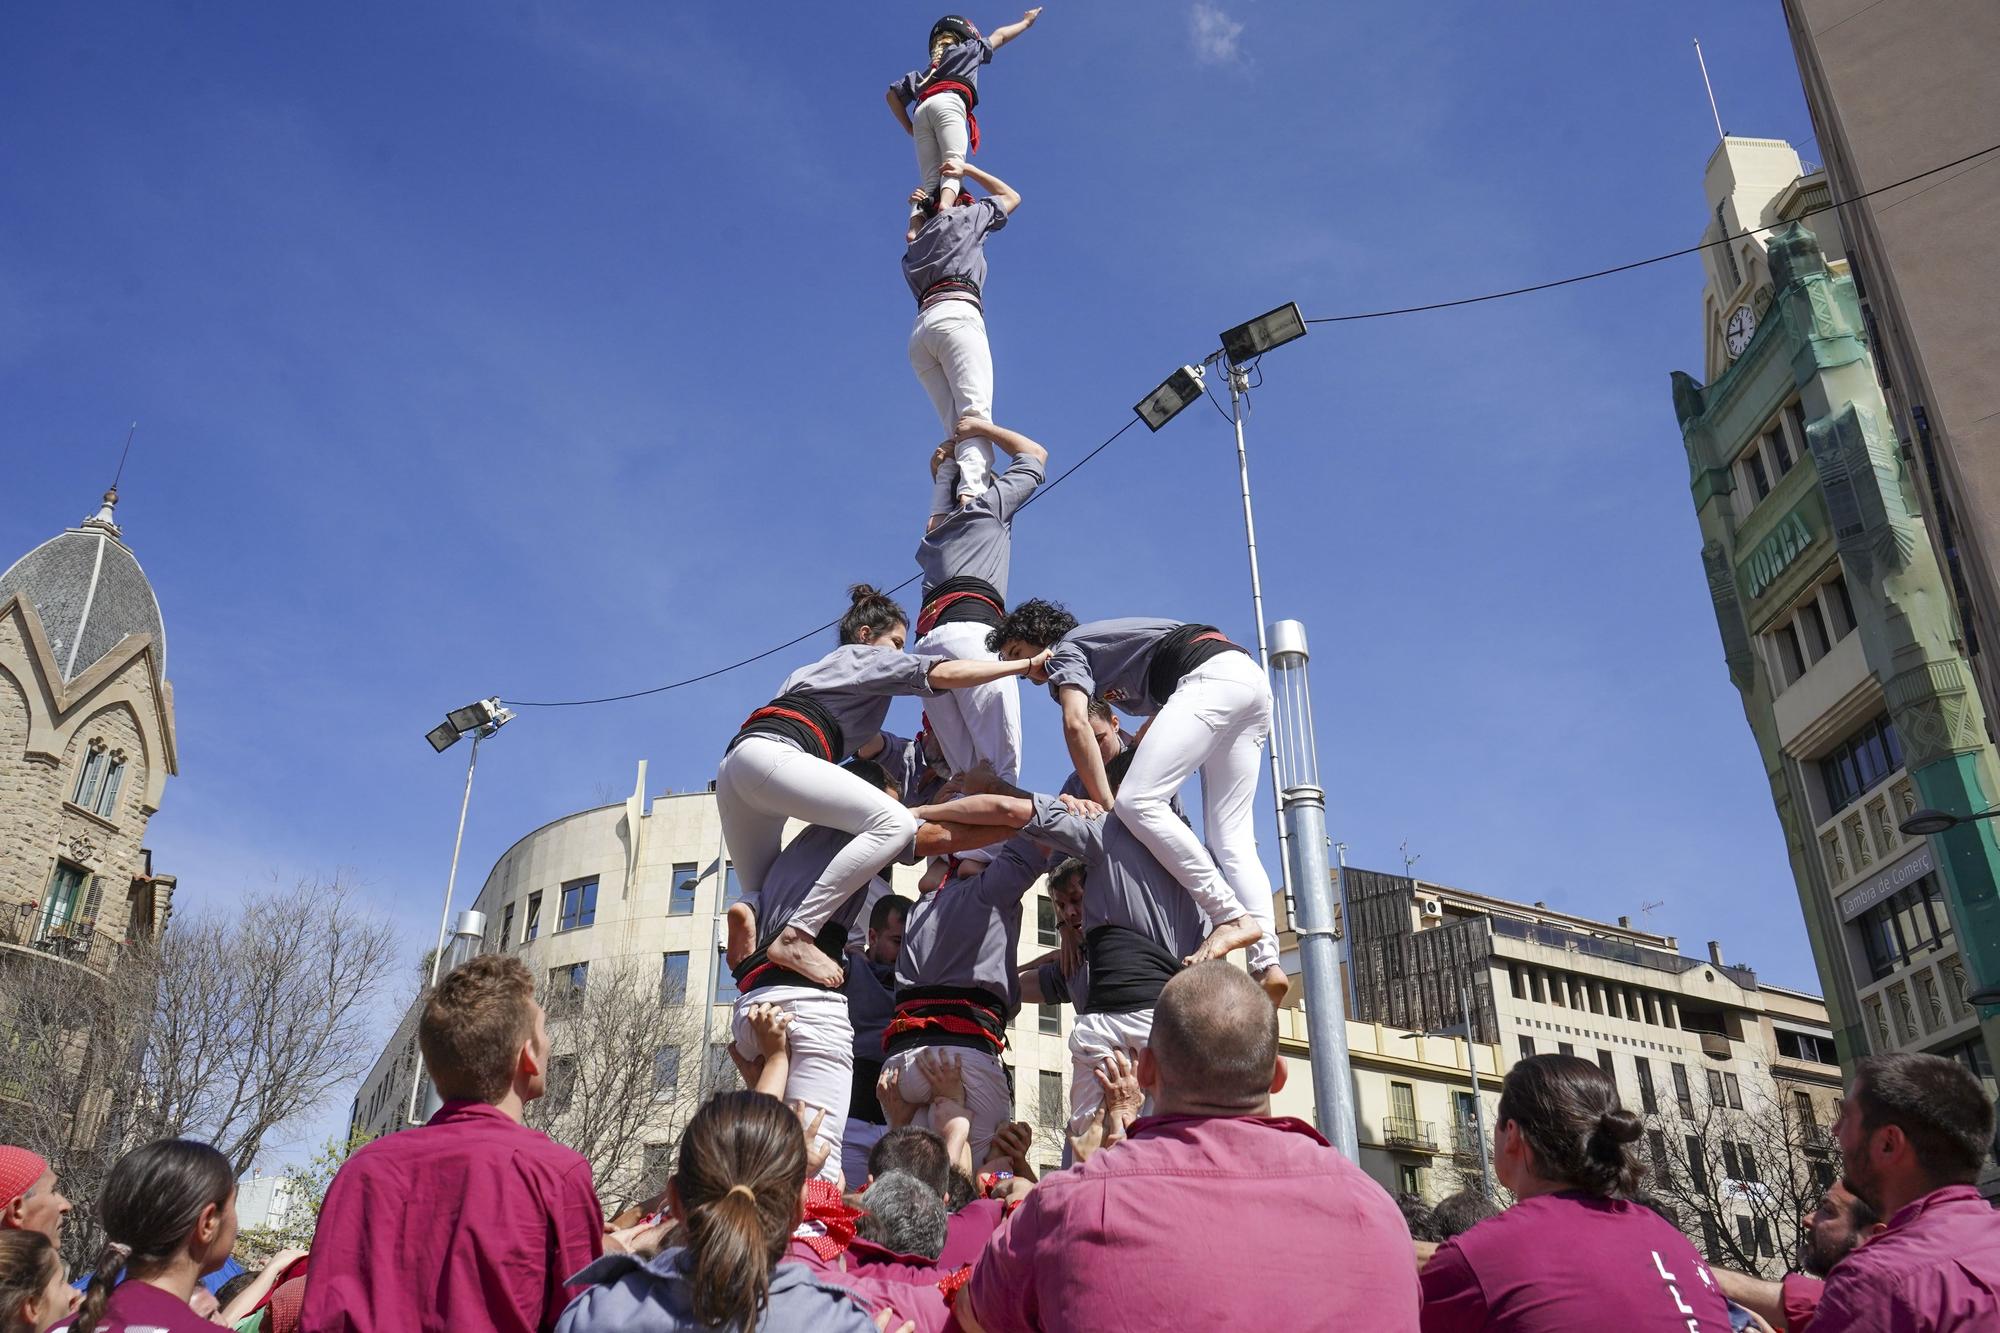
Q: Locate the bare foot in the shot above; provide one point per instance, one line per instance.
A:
(1276, 984)
(1239, 933)
(910, 236)
(742, 938)
(795, 950)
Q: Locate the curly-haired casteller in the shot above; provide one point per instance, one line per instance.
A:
(1568, 1111)
(872, 610)
(1035, 622)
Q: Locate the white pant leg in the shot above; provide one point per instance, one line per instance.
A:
(1229, 796)
(1177, 743)
(821, 1044)
(1092, 1039)
(753, 834)
(856, 1142)
(778, 782)
(987, 1096)
(941, 134)
(967, 359)
(980, 723)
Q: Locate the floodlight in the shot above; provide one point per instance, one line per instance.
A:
(473, 716)
(1247, 342)
(443, 736)
(1927, 821)
(1163, 404)
(1986, 995)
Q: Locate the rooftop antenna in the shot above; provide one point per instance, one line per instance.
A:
(1410, 862)
(125, 455)
(1646, 910)
(1711, 90)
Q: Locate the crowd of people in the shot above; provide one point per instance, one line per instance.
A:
(869, 1175)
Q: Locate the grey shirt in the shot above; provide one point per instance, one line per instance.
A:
(959, 63)
(1126, 886)
(952, 245)
(1060, 987)
(793, 874)
(1073, 785)
(855, 682)
(871, 1002)
(917, 777)
(967, 932)
(622, 1293)
(1110, 658)
(975, 540)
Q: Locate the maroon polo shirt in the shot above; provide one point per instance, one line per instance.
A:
(1202, 1222)
(1798, 1295)
(881, 1286)
(1572, 1263)
(968, 1231)
(472, 1221)
(138, 1305)
(1935, 1270)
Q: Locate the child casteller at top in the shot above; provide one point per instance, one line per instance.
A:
(945, 94)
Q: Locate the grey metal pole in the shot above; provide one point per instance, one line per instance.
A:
(715, 960)
(1236, 387)
(1478, 1108)
(1346, 929)
(444, 917)
(466, 943)
(1304, 808)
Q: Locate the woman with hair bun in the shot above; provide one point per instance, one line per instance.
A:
(1574, 1253)
(736, 1193)
(169, 1215)
(784, 764)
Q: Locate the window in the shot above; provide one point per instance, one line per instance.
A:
(1403, 1101)
(1649, 1101)
(1711, 1236)
(1779, 449)
(1604, 1062)
(62, 904)
(506, 927)
(1055, 1111)
(1514, 981)
(1754, 475)
(1895, 930)
(1527, 1046)
(1731, 1167)
(1795, 425)
(97, 782)
(1045, 923)
(656, 1163)
(1802, 1107)
(1791, 653)
(1728, 251)
(579, 905)
(1812, 626)
(674, 978)
(1822, 1172)
(534, 925)
(1697, 1169)
(1682, 1093)
(725, 981)
(1734, 1091)
(1860, 762)
(1049, 1018)
(566, 986)
(680, 899)
(1663, 1165)
(1840, 606)
(1748, 1160)
(1746, 1234)
(1565, 1048)
(1806, 1046)
(1409, 1179)
(731, 890)
(1764, 1247)
(666, 1072)
(562, 1082)
(1464, 1119)
(1715, 1096)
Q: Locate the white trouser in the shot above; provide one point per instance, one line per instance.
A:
(949, 352)
(821, 1044)
(1092, 1039)
(982, 722)
(856, 1142)
(987, 1095)
(763, 782)
(1216, 721)
(941, 134)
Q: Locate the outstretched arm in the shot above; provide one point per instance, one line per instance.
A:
(1011, 442)
(946, 838)
(1083, 745)
(901, 112)
(1008, 812)
(958, 673)
(1003, 35)
(1005, 195)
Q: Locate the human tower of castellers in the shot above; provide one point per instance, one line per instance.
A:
(1152, 896)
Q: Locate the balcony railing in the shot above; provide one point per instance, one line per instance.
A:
(1402, 1132)
(1464, 1139)
(78, 942)
(1715, 1044)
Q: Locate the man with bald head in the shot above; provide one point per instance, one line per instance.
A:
(1165, 1229)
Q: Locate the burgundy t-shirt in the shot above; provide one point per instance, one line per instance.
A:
(136, 1305)
(1572, 1263)
(473, 1221)
(969, 1229)
(1935, 1270)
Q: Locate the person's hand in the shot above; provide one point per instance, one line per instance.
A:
(643, 1239)
(947, 1080)
(896, 1112)
(888, 1313)
(817, 1148)
(951, 166)
(919, 195)
(746, 1069)
(769, 1024)
(1013, 1141)
(1038, 667)
(944, 452)
(1081, 805)
(1758, 1322)
(204, 1304)
(1122, 1094)
(979, 780)
(1072, 949)
(1030, 17)
(971, 428)
(285, 1258)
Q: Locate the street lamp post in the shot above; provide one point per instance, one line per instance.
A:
(479, 720)
(465, 943)
(1464, 1026)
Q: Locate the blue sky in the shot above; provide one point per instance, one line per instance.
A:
(555, 350)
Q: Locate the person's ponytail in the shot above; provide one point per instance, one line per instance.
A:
(111, 1262)
(742, 1165)
(1568, 1111)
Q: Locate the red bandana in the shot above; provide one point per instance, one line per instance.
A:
(824, 1205)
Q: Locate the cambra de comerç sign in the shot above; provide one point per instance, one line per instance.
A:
(1775, 553)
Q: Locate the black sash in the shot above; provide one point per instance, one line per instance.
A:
(1127, 970)
(946, 286)
(965, 597)
(967, 1016)
(1180, 652)
(798, 718)
(757, 971)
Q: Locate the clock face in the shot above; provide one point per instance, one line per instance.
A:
(1741, 325)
